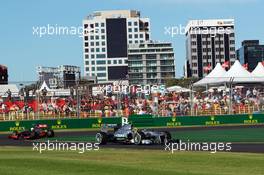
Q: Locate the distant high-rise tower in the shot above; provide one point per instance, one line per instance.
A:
(3, 74)
(208, 42)
(105, 42)
(250, 53)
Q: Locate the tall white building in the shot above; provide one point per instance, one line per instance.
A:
(150, 63)
(105, 42)
(208, 42)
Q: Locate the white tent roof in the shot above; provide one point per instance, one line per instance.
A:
(178, 89)
(44, 85)
(237, 71)
(4, 88)
(218, 71)
(55, 92)
(213, 76)
(258, 71)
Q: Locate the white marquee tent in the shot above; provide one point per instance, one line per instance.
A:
(213, 76)
(237, 72)
(258, 71)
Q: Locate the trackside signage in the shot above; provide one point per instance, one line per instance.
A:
(137, 121)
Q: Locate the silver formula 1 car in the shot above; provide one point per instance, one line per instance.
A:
(130, 135)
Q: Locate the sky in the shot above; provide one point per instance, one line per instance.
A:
(22, 50)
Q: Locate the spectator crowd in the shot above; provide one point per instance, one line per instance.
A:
(160, 104)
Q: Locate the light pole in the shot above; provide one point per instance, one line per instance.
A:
(231, 95)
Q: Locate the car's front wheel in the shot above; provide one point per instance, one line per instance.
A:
(101, 138)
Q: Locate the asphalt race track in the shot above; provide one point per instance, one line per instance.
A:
(236, 147)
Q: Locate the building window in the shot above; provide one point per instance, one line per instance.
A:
(87, 68)
(93, 69)
(96, 25)
(193, 36)
(92, 37)
(130, 36)
(86, 38)
(129, 29)
(135, 29)
(100, 56)
(109, 62)
(135, 23)
(86, 50)
(130, 42)
(97, 49)
(136, 35)
(129, 23)
(103, 43)
(100, 62)
(92, 43)
(101, 68)
(103, 36)
(103, 49)
(92, 62)
(141, 35)
(86, 44)
(86, 62)
(115, 62)
(86, 56)
(97, 43)
(102, 24)
(101, 74)
(119, 61)
(102, 30)
(232, 49)
(92, 49)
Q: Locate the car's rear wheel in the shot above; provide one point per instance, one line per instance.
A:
(138, 137)
(167, 137)
(50, 133)
(101, 138)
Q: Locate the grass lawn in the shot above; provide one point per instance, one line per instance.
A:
(223, 135)
(21, 161)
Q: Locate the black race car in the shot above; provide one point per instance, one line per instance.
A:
(38, 131)
(128, 134)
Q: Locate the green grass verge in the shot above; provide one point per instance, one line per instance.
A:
(224, 135)
(21, 161)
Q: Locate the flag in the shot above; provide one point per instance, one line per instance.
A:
(245, 66)
(226, 64)
(207, 68)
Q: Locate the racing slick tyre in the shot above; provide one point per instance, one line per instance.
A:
(33, 135)
(167, 138)
(101, 138)
(50, 133)
(138, 137)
